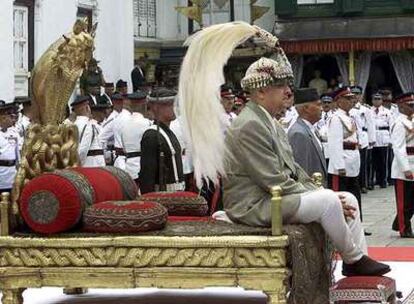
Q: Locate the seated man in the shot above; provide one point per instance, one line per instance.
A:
(258, 157)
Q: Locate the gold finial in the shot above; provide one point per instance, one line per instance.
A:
(276, 210)
(317, 179)
(4, 213)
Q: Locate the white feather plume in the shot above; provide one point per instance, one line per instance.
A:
(199, 93)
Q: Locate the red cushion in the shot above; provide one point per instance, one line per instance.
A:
(124, 217)
(52, 203)
(106, 186)
(364, 283)
(189, 219)
(179, 203)
(128, 185)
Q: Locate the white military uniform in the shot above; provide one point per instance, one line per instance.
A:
(23, 124)
(289, 119)
(131, 134)
(90, 149)
(9, 156)
(118, 124)
(402, 136)
(321, 129)
(383, 120)
(106, 137)
(177, 127)
(342, 136)
(365, 124)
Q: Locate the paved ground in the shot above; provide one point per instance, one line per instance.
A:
(378, 209)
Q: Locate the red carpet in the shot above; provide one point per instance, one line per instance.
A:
(394, 254)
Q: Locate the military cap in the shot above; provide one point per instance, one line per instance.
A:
(304, 95)
(405, 98)
(4, 106)
(226, 92)
(101, 106)
(137, 96)
(109, 85)
(162, 95)
(326, 98)
(356, 90)
(121, 84)
(342, 92)
(80, 100)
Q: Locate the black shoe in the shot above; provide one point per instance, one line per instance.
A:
(383, 186)
(367, 233)
(370, 187)
(364, 190)
(395, 225)
(407, 235)
(365, 267)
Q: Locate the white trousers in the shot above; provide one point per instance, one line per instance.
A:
(324, 206)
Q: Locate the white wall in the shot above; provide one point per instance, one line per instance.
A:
(268, 20)
(53, 18)
(114, 39)
(6, 51)
(170, 24)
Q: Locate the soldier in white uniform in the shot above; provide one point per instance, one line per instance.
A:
(344, 158)
(321, 126)
(106, 137)
(119, 121)
(366, 133)
(402, 136)
(383, 119)
(8, 149)
(24, 119)
(227, 100)
(90, 149)
(132, 131)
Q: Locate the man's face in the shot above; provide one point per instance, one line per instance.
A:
(315, 111)
(326, 107)
(5, 121)
(275, 98)
(346, 103)
(406, 109)
(377, 101)
(164, 111)
(109, 90)
(228, 103)
(95, 90)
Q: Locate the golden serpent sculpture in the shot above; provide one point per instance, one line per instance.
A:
(49, 144)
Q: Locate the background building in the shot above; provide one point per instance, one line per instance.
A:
(28, 27)
(368, 42)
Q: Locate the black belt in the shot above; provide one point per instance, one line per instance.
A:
(95, 152)
(383, 128)
(119, 152)
(365, 129)
(410, 150)
(111, 147)
(7, 163)
(133, 154)
(350, 145)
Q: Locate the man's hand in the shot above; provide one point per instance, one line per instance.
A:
(348, 210)
(408, 174)
(341, 172)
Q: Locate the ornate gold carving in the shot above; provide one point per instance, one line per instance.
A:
(276, 210)
(12, 296)
(4, 213)
(142, 257)
(55, 75)
(45, 149)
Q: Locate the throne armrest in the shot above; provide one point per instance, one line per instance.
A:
(276, 210)
(4, 213)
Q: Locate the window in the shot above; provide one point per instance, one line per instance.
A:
(20, 33)
(145, 18)
(314, 1)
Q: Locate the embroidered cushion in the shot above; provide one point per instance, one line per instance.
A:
(363, 289)
(124, 217)
(179, 203)
(54, 202)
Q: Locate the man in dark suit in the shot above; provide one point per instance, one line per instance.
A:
(138, 75)
(306, 146)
